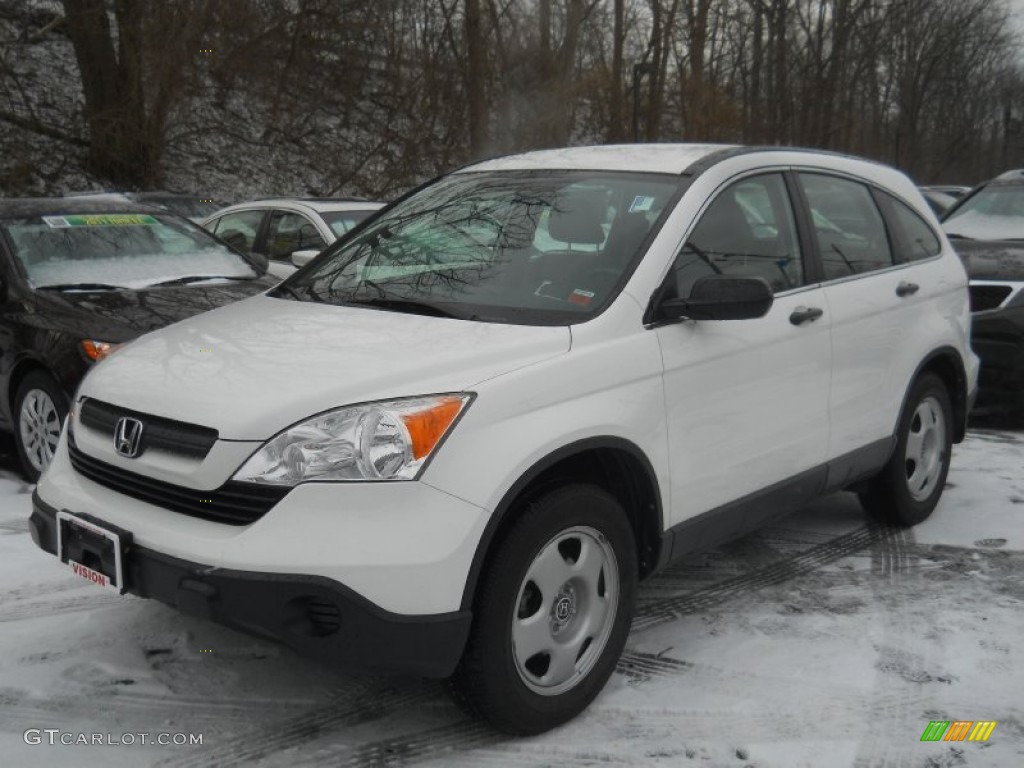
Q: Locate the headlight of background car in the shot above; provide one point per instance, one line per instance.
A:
(388, 440)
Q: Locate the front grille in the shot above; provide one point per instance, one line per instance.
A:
(233, 503)
(988, 296)
(158, 434)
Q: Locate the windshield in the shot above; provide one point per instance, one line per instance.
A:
(341, 222)
(993, 213)
(122, 250)
(539, 248)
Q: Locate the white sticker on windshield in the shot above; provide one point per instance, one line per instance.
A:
(641, 203)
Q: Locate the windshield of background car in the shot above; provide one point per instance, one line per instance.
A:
(526, 247)
(341, 222)
(993, 213)
(126, 250)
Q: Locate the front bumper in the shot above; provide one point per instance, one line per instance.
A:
(314, 615)
(997, 337)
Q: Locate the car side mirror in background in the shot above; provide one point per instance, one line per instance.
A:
(721, 298)
(302, 258)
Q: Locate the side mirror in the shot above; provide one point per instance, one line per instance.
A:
(302, 258)
(721, 298)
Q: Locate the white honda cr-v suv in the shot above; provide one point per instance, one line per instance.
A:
(453, 443)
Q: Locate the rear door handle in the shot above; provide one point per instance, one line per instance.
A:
(803, 315)
(907, 289)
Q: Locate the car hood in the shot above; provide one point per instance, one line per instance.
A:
(252, 368)
(992, 259)
(118, 316)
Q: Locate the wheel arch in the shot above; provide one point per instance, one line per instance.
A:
(613, 463)
(948, 365)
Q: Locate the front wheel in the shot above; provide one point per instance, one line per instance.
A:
(39, 410)
(907, 490)
(552, 612)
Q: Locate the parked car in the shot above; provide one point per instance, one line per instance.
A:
(939, 202)
(953, 190)
(987, 228)
(78, 277)
(443, 450)
(289, 233)
(192, 207)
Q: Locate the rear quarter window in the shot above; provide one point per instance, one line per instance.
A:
(917, 240)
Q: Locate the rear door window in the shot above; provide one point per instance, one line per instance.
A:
(849, 228)
(917, 240)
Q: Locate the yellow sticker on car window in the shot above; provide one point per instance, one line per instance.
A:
(100, 220)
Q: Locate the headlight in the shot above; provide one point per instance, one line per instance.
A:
(388, 440)
(97, 350)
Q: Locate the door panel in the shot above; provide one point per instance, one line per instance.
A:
(876, 322)
(746, 400)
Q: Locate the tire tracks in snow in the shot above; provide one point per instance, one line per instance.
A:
(659, 612)
(20, 611)
(460, 735)
(371, 701)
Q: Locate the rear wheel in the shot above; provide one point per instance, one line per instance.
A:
(39, 410)
(907, 490)
(552, 612)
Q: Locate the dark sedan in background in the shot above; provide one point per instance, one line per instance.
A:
(78, 277)
(987, 229)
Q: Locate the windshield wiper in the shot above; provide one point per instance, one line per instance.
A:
(82, 287)
(410, 306)
(955, 236)
(194, 279)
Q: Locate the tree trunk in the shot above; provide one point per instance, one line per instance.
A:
(476, 76)
(616, 126)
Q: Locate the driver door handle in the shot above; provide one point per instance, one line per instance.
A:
(906, 289)
(803, 315)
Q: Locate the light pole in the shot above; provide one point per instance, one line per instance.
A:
(639, 70)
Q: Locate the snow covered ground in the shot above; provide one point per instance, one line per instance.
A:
(823, 641)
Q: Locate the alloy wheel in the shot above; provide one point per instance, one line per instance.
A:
(565, 610)
(926, 445)
(39, 428)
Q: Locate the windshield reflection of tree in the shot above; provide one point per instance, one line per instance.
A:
(441, 248)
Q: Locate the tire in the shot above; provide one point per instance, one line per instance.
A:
(906, 491)
(39, 411)
(568, 563)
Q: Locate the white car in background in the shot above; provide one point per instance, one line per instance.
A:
(288, 232)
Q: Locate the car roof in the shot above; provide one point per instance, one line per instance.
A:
(1014, 175)
(43, 206)
(681, 159)
(651, 158)
(320, 205)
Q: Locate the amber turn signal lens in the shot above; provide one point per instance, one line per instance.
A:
(97, 350)
(428, 426)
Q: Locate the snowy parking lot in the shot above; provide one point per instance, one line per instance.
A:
(822, 641)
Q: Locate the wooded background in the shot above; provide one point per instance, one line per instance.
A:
(237, 98)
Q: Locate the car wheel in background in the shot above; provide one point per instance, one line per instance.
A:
(39, 410)
(906, 491)
(552, 612)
